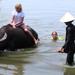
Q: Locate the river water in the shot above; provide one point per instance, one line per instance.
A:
(43, 16)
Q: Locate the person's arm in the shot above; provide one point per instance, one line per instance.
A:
(65, 38)
(69, 38)
(12, 19)
(13, 22)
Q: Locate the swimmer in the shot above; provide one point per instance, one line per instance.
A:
(54, 36)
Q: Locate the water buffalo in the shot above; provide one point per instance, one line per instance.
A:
(12, 39)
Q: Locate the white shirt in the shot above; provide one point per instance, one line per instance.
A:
(17, 16)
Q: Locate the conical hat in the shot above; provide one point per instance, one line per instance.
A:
(67, 17)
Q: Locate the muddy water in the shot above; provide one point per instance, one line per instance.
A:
(44, 17)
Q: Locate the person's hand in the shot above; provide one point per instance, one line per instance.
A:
(26, 29)
(61, 50)
(14, 26)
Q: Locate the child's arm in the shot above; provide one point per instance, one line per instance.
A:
(13, 23)
(12, 19)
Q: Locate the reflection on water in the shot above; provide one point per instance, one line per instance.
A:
(32, 62)
(13, 62)
(69, 71)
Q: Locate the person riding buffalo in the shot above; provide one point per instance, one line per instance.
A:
(69, 46)
(18, 18)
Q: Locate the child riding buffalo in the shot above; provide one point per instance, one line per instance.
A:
(18, 20)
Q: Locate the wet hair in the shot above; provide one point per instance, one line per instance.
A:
(54, 33)
(55, 37)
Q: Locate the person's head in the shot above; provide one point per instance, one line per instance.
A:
(18, 7)
(54, 35)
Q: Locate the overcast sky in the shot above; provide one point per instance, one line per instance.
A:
(43, 4)
(53, 7)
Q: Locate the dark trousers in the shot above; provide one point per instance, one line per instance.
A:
(70, 57)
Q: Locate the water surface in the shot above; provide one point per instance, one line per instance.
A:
(43, 16)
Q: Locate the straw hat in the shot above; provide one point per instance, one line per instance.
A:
(67, 17)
